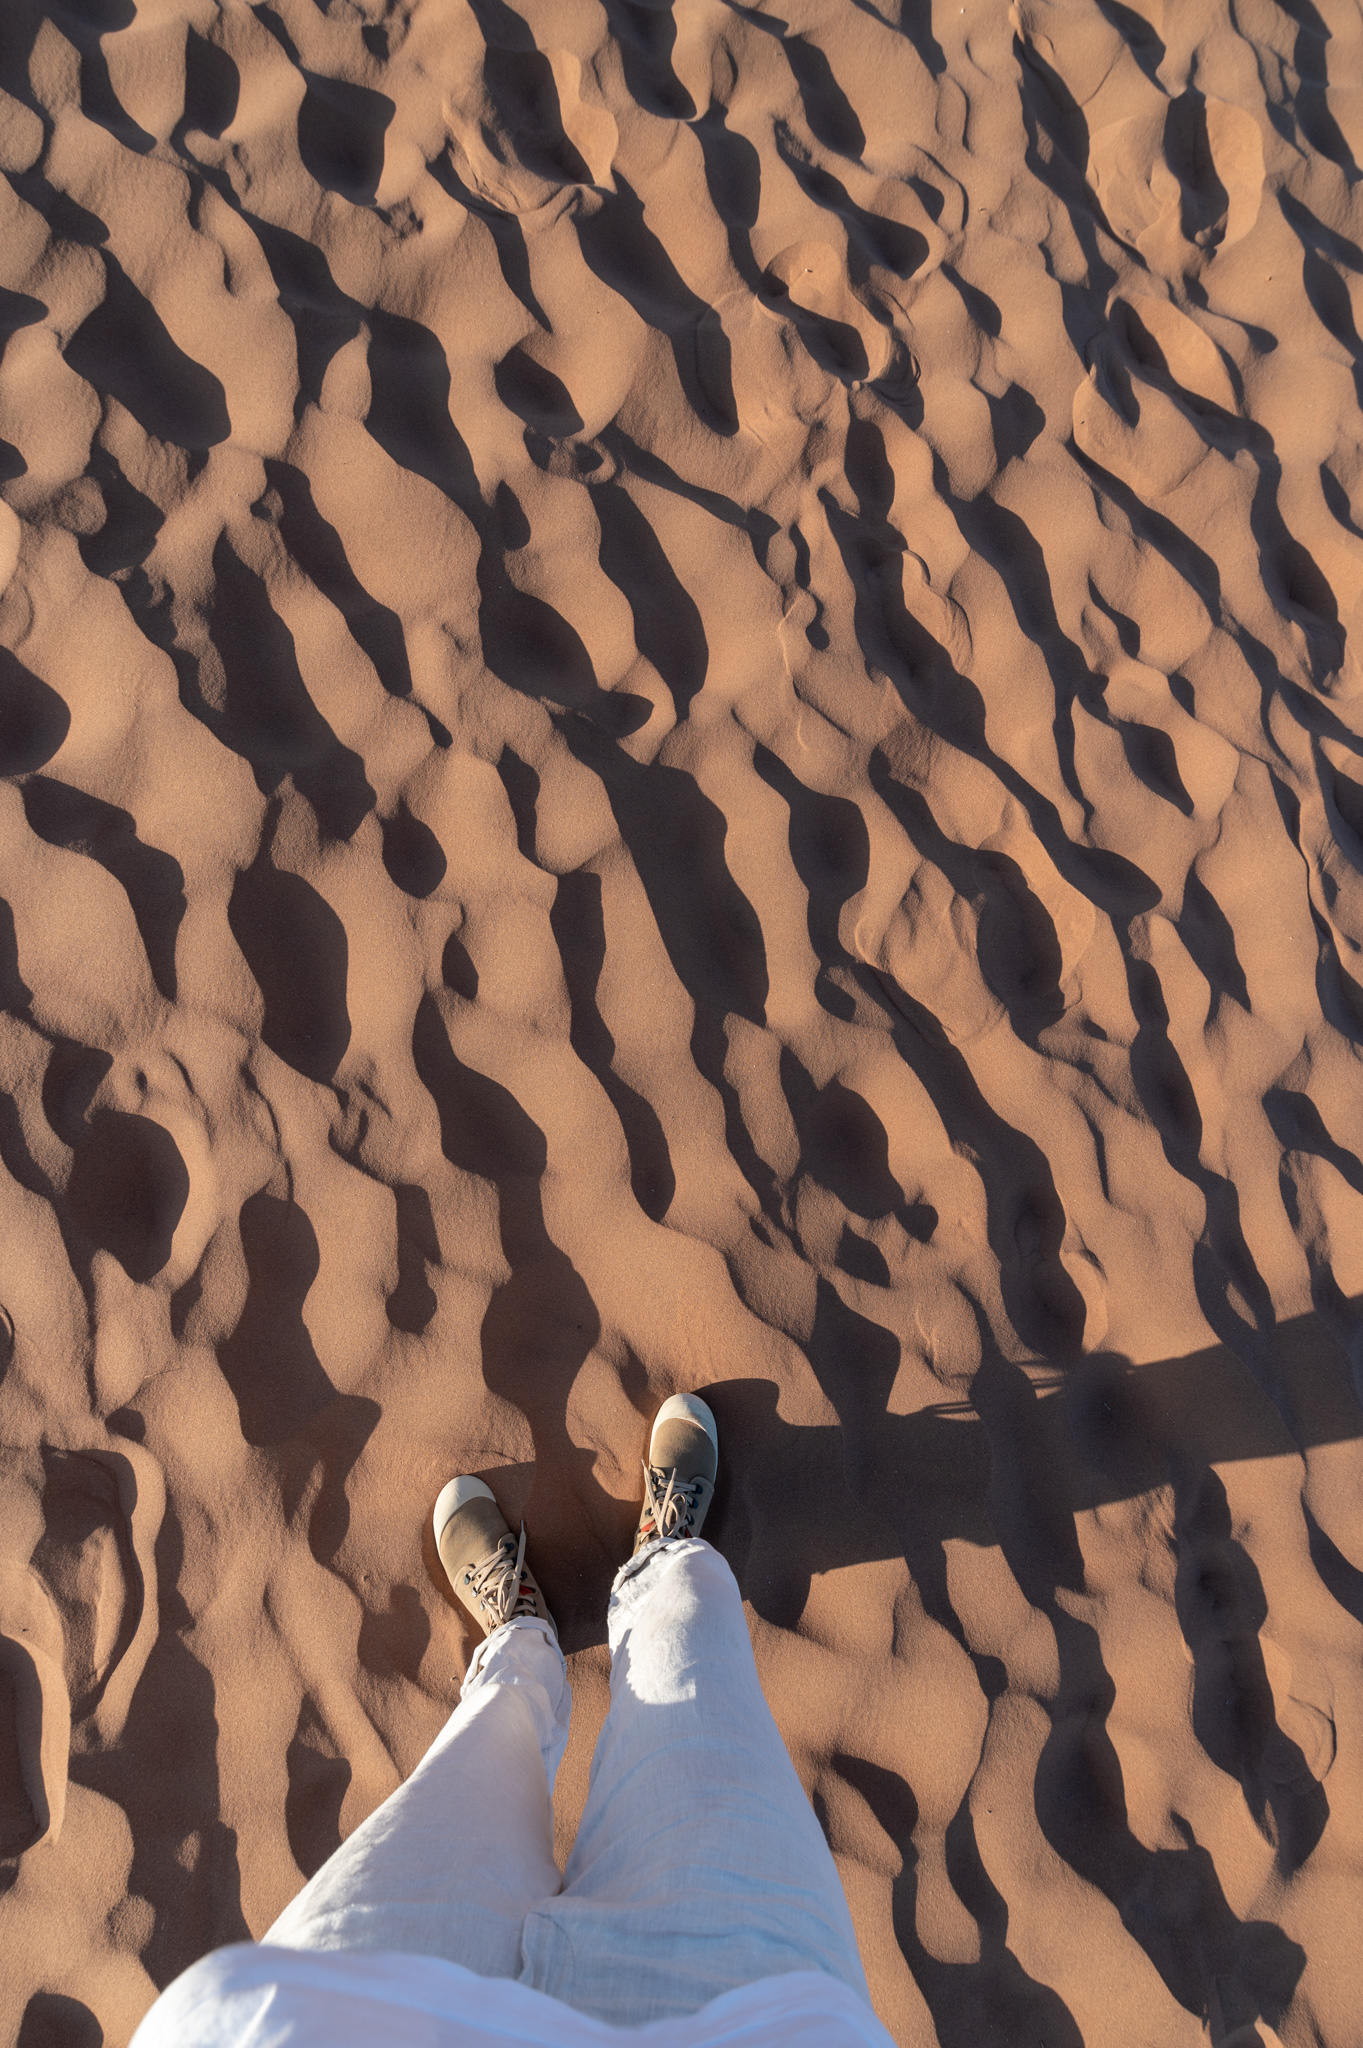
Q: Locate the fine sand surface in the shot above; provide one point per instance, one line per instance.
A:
(681, 699)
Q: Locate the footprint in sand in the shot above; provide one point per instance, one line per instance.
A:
(78, 1617)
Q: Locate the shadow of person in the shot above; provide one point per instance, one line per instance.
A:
(1011, 1468)
(1101, 1431)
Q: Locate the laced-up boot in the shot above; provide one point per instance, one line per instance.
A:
(680, 1471)
(484, 1562)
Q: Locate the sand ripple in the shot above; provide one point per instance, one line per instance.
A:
(680, 701)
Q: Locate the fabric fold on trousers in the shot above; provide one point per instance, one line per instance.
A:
(452, 1862)
(698, 1864)
(698, 1867)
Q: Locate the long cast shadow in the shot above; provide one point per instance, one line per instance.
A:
(1012, 1469)
(125, 351)
(618, 244)
(286, 1403)
(668, 629)
(675, 836)
(268, 715)
(152, 881)
(319, 551)
(992, 1998)
(647, 37)
(1101, 1431)
(295, 945)
(538, 1329)
(184, 1858)
(579, 931)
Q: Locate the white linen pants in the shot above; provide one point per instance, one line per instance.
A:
(698, 1864)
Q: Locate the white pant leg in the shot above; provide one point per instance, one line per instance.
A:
(452, 1862)
(698, 1865)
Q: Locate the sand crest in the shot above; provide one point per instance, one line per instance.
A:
(680, 707)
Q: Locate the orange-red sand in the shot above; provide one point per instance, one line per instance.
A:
(680, 699)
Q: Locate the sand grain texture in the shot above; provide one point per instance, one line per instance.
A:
(680, 707)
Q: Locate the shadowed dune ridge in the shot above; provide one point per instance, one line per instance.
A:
(680, 707)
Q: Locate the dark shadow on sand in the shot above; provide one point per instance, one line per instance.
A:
(1012, 1468)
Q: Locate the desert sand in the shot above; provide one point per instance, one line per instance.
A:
(681, 707)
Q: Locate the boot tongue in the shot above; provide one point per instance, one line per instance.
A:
(678, 1507)
(671, 1501)
(499, 1583)
(512, 1598)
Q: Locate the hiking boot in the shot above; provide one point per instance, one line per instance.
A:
(680, 1471)
(483, 1561)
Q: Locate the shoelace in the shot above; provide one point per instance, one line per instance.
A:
(670, 1502)
(496, 1583)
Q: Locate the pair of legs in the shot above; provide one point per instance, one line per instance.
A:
(698, 1864)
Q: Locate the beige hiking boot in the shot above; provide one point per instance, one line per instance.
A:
(483, 1561)
(680, 1471)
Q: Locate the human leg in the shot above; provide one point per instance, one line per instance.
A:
(698, 1865)
(452, 1862)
